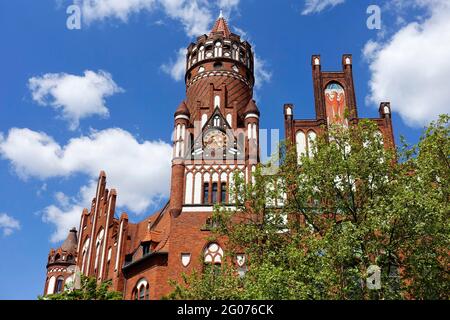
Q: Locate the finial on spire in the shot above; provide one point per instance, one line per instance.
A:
(221, 26)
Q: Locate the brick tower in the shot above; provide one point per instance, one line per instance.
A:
(216, 127)
(216, 136)
(61, 265)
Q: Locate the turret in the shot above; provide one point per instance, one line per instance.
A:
(251, 119)
(61, 265)
(216, 127)
(180, 146)
(219, 73)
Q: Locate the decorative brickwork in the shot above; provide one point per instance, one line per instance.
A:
(216, 135)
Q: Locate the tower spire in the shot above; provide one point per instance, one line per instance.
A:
(221, 26)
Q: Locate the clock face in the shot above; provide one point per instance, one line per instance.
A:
(215, 139)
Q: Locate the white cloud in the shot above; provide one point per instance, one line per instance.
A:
(261, 70)
(227, 6)
(63, 219)
(140, 171)
(8, 224)
(77, 97)
(317, 6)
(93, 10)
(195, 15)
(262, 73)
(411, 68)
(176, 69)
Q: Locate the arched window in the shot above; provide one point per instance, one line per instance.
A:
(98, 247)
(218, 49)
(216, 105)
(51, 285)
(69, 258)
(312, 136)
(204, 119)
(142, 290)
(214, 193)
(223, 192)
(230, 119)
(213, 254)
(201, 53)
(59, 285)
(84, 257)
(301, 144)
(57, 257)
(206, 193)
(217, 118)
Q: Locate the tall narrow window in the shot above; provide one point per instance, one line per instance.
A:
(98, 247)
(214, 193)
(223, 192)
(142, 293)
(84, 264)
(217, 121)
(142, 290)
(59, 285)
(206, 193)
(97, 252)
(145, 249)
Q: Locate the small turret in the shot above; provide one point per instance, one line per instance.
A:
(219, 71)
(61, 264)
(182, 110)
(251, 110)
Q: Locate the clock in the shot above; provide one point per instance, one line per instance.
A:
(215, 139)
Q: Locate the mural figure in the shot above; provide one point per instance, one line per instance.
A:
(335, 104)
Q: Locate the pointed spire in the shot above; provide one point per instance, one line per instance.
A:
(221, 26)
(70, 244)
(182, 110)
(251, 108)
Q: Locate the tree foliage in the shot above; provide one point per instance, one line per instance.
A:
(313, 229)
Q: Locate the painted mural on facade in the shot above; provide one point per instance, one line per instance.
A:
(335, 104)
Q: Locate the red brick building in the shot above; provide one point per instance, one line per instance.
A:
(216, 133)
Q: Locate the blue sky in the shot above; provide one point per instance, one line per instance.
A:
(74, 102)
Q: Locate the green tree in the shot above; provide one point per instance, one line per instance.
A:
(313, 229)
(89, 290)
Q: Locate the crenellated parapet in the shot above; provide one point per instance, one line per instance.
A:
(219, 73)
(220, 48)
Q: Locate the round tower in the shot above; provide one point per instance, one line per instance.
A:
(219, 73)
(61, 265)
(216, 126)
